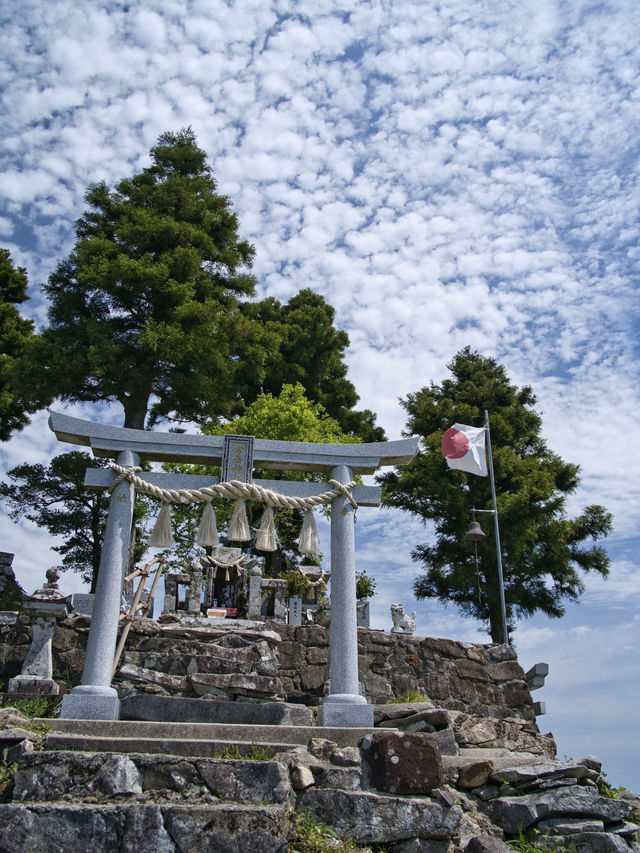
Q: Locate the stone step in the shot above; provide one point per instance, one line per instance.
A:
(162, 746)
(229, 827)
(94, 730)
(148, 707)
(51, 776)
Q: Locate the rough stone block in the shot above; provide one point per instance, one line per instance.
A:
(474, 775)
(487, 844)
(515, 813)
(402, 763)
(471, 669)
(507, 670)
(374, 819)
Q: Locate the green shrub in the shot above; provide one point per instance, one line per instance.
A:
(7, 772)
(365, 586)
(408, 696)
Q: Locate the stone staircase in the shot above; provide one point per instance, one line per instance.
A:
(189, 739)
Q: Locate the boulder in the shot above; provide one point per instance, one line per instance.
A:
(380, 819)
(402, 763)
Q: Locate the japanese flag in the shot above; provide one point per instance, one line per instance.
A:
(463, 448)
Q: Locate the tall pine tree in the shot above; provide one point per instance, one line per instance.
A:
(544, 553)
(145, 310)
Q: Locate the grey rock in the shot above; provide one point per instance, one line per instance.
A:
(117, 775)
(595, 842)
(50, 829)
(590, 761)
(625, 828)
(144, 831)
(474, 775)
(247, 781)
(341, 778)
(382, 819)
(346, 756)
(487, 844)
(421, 845)
(402, 763)
(227, 829)
(301, 777)
(447, 741)
(515, 813)
(175, 709)
(549, 771)
(243, 684)
(568, 826)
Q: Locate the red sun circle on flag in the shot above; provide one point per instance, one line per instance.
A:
(455, 444)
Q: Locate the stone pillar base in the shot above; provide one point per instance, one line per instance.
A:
(346, 711)
(37, 685)
(88, 702)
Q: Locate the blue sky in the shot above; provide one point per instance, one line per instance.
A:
(444, 174)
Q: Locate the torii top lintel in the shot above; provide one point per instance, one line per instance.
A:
(108, 441)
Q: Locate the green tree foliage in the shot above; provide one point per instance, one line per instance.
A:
(54, 497)
(15, 332)
(145, 309)
(543, 551)
(311, 351)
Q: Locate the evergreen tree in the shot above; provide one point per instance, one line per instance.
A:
(311, 351)
(145, 309)
(15, 332)
(54, 497)
(544, 553)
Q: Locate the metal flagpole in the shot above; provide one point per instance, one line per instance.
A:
(496, 527)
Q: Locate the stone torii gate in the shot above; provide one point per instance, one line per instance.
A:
(95, 698)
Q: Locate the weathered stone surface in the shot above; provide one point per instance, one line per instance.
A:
(179, 709)
(227, 829)
(301, 777)
(144, 831)
(50, 830)
(177, 684)
(117, 775)
(399, 711)
(471, 669)
(514, 734)
(509, 670)
(382, 819)
(569, 826)
(544, 771)
(446, 742)
(247, 781)
(474, 775)
(420, 845)
(487, 844)
(236, 683)
(402, 763)
(515, 813)
(587, 842)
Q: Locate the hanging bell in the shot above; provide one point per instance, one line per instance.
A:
(474, 533)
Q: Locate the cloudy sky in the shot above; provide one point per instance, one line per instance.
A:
(445, 174)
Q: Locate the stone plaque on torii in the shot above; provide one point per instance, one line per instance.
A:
(95, 698)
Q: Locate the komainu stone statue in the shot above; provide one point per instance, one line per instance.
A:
(402, 624)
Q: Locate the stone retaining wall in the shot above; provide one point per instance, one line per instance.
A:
(483, 680)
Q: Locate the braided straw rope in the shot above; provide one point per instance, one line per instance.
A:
(234, 490)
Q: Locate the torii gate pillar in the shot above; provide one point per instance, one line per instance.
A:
(95, 699)
(344, 706)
